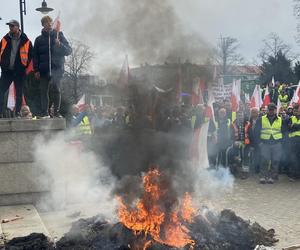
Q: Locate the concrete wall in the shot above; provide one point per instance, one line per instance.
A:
(20, 176)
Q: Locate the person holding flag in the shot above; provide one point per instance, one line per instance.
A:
(50, 49)
(15, 56)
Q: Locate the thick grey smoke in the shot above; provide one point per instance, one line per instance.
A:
(148, 31)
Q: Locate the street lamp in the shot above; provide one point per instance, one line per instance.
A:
(44, 9)
(22, 10)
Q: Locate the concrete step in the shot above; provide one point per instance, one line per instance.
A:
(30, 223)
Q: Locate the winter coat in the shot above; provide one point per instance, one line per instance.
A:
(43, 45)
(19, 68)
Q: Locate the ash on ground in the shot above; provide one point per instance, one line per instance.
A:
(225, 231)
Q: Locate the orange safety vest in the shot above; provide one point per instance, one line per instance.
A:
(3, 43)
(24, 51)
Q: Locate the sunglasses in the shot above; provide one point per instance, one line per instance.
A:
(11, 25)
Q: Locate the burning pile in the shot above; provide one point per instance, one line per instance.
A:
(157, 221)
(156, 215)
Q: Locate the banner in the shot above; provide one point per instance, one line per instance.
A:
(221, 91)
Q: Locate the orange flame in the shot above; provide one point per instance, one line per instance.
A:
(150, 216)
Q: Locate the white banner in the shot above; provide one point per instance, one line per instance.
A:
(221, 91)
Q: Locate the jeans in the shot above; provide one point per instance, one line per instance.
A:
(50, 94)
(6, 79)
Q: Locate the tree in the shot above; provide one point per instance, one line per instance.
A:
(77, 64)
(297, 14)
(278, 66)
(272, 45)
(226, 53)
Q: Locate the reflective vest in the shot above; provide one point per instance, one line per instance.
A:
(269, 130)
(24, 51)
(228, 123)
(84, 126)
(294, 121)
(284, 99)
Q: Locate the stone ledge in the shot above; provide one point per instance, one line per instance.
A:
(18, 178)
(19, 125)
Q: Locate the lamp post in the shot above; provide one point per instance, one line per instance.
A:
(22, 11)
(43, 9)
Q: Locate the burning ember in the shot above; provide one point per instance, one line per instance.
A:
(158, 216)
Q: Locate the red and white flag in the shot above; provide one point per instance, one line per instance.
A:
(256, 100)
(267, 98)
(124, 73)
(81, 104)
(209, 111)
(197, 92)
(11, 100)
(296, 96)
(273, 81)
(278, 106)
(56, 25)
(235, 96)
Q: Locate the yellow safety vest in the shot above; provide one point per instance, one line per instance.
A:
(295, 133)
(228, 123)
(269, 130)
(84, 126)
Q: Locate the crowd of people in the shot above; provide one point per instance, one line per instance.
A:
(263, 141)
(260, 141)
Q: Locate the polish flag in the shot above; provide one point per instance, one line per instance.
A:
(81, 104)
(124, 75)
(267, 98)
(273, 81)
(209, 110)
(278, 106)
(197, 92)
(56, 25)
(235, 96)
(11, 100)
(296, 96)
(256, 100)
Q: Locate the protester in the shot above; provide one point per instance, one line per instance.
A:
(294, 136)
(50, 49)
(269, 131)
(223, 135)
(15, 55)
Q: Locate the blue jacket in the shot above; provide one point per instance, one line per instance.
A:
(43, 46)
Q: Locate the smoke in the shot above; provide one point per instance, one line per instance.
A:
(73, 175)
(132, 153)
(148, 31)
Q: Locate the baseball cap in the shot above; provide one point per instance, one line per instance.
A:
(13, 22)
(272, 106)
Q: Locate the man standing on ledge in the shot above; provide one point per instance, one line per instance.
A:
(15, 55)
(50, 49)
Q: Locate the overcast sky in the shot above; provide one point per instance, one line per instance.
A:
(248, 21)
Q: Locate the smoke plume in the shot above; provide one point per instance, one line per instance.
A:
(73, 175)
(148, 31)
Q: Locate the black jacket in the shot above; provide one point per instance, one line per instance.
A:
(41, 56)
(19, 68)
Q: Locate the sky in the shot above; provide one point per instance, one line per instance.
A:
(99, 23)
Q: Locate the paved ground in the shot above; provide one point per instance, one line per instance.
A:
(273, 206)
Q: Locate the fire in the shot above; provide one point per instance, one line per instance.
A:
(156, 215)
